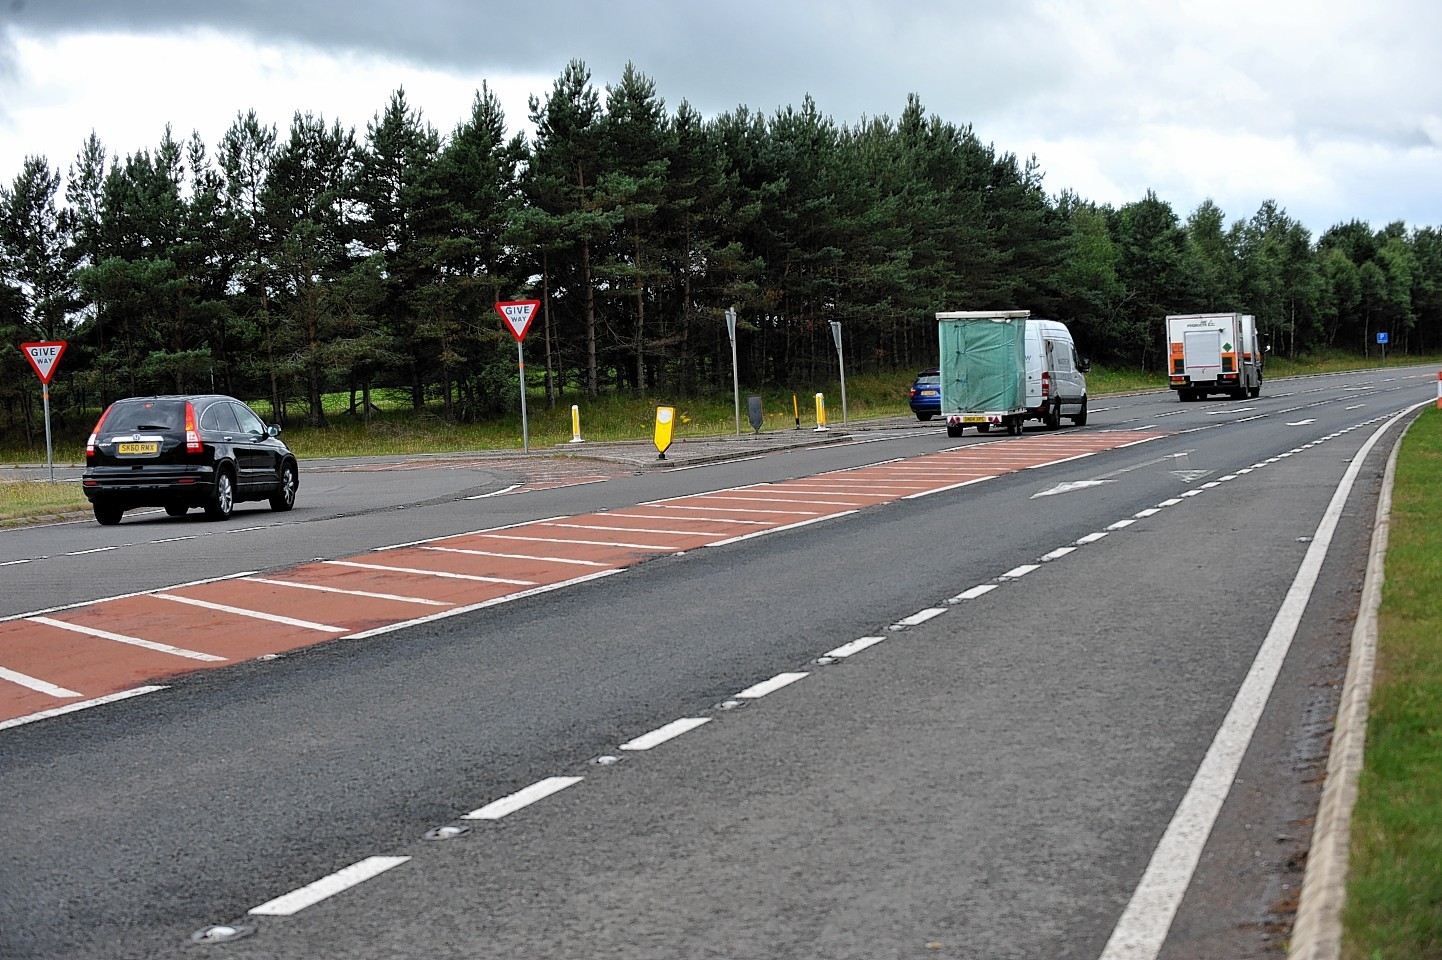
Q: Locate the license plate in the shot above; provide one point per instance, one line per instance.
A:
(928, 393)
(975, 419)
(137, 447)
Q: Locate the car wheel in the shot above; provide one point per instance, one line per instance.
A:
(1081, 418)
(923, 417)
(222, 498)
(177, 509)
(284, 498)
(107, 516)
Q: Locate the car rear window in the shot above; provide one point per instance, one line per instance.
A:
(128, 415)
(928, 381)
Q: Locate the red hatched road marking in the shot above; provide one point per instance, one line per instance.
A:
(112, 646)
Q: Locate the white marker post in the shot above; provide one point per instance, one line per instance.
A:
(45, 357)
(735, 375)
(518, 315)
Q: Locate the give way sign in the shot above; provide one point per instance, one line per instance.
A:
(44, 357)
(518, 315)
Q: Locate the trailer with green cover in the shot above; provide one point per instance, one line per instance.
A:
(983, 369)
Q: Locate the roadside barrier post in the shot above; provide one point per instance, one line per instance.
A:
(665, 424)
(796, 407)
(820, 413)
(1439, 391)
(576, 424)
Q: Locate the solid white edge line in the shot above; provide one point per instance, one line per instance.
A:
(660, 735)
(1143, 926)
(313, 893)
(758, 690)
(523, 798)
(72, 707)
(954, 486)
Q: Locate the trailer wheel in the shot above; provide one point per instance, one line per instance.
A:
(983, 428)
(953, 429)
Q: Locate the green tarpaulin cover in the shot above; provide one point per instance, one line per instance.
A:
(983, 364)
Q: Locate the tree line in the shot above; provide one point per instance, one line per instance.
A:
(282, 267)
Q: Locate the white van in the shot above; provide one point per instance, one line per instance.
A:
(1004, 367)
(1056, 383)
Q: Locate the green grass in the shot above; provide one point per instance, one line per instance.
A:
(30, 500)
(1394, 897)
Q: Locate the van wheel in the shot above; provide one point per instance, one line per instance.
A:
(1081, 417)
(1052, 417)
(1013, 426)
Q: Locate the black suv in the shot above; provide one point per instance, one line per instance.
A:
(185, 451)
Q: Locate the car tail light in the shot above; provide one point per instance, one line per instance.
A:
(192, 436)
(94, 434)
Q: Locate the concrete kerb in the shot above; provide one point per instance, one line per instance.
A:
(689, 451)
(1317, 932)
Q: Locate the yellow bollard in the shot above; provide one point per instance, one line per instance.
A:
(796, 409)
(820, 413)
(665, 423)
(576, 424)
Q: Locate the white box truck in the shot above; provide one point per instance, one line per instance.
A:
(1214, 353)
(1004, 367)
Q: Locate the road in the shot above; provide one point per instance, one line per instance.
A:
(953, 716)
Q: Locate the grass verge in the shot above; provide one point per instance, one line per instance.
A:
(1394, 893)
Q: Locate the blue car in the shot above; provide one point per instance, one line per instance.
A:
(926, 394)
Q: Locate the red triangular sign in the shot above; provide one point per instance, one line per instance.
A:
(518, 315)
(44, 357)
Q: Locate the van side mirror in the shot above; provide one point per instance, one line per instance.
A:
(1083, 364)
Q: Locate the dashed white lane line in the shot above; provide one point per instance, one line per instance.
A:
(132, 641)
(1091, 538)
(1017, 572)
(254, 614)
(313, 893)
(660, 735)
(1058, 553)
(38, 685)
(1120, 524)
(973, 593)
(854, 647)
(917, 619)
(756, 691)
(73, 707)
(506, 806)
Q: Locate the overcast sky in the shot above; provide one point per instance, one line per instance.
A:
(1332, 108)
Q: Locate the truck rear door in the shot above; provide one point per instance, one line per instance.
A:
(1202, 353)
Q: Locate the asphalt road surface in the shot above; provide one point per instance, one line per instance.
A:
(951, 722)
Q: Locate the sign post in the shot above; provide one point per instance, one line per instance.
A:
(1382, 339)
(841, 362)
(735, 376)
(45, 357)
(518, 315)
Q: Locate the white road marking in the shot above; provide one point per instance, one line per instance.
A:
(789, 526)
(855, 646)
(1143, 926)
(1091, 538)
(255, 614)
(1057, 554)
(81, 553)
(973, 593)
(430, 573)
(1120, 524)
(73, 707)
(1016, 573)
(133, 641)
(518, 556)
(38, 685)
(350, 593)
(660, 735)
(585, 543)
(341, 880)
(756, 691)
(506, 806)
(917, 619)
(614, 529)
